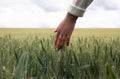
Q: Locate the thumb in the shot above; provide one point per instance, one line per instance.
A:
(55, 30)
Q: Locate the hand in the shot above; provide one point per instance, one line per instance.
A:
(64, 31)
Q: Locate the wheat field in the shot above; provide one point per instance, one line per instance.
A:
(30, 54)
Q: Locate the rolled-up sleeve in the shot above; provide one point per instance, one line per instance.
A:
(79, 7)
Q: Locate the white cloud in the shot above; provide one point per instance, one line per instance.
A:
(18, 14)
(53, 5)
(107, 4)
(48, 13)
(100, 18)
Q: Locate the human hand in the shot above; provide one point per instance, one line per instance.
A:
(64, 31)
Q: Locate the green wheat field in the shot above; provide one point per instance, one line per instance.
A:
(30, 54)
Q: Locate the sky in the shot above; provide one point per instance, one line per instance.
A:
(49, 13)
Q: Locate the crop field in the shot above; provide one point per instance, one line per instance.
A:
(30, 54)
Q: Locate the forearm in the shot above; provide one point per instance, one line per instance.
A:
(79, 7)
(71, 17)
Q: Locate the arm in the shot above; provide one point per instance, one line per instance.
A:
(66, 27)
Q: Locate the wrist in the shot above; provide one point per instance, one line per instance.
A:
(71, 17)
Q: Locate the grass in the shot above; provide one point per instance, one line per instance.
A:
(34, 57)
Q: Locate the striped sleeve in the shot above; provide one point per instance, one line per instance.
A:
(78, 7)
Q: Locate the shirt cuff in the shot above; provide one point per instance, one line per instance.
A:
(76, 11)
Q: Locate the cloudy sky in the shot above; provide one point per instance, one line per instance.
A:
(49, 13)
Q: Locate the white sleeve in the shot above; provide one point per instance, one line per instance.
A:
(78, 7)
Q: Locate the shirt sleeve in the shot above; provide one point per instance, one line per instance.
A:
(79, 7)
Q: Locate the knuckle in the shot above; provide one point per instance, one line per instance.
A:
(59, 38)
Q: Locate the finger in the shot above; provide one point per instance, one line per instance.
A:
(67, 40)
(61, 41)
(55, 30)
(67, 43)
(56, 38)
